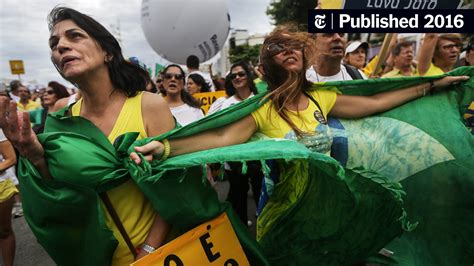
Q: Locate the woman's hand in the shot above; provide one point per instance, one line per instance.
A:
(447, 81)
(17, 129)
(152, 150)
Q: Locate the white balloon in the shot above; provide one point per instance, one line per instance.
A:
(176, 29)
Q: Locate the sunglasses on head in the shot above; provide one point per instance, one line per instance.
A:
(239, 74)
(50, 92)
(277, 48)
(171, 75)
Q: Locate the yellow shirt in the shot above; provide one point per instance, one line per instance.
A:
(272, 125)
(31, 105)
(397, 73)
(134, 210)
(433, 71)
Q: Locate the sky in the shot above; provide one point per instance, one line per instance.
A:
(24, 32)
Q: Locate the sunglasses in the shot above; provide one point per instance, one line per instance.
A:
(277, 48)
(176, 76)
(49, 92)
(158, 80)
(239, 74)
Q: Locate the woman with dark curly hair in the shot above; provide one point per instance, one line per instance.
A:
(114, 101)
(51, 95)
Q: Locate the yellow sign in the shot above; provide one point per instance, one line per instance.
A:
(208, 98)
(211, 243)
(16, 67)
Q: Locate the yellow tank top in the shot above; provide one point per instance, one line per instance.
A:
(133, 209)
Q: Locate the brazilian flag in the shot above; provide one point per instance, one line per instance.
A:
(414, 161)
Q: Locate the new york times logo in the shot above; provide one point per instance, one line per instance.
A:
(384, 21)
(320, 21)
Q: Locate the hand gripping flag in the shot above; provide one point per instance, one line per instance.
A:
(322, 212)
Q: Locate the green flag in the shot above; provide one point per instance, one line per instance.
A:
(322, 212)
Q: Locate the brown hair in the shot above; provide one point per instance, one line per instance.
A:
(454, 37)
(285, 86)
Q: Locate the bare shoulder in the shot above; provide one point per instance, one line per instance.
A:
(59, 104)
(153, 100)
(157, 116)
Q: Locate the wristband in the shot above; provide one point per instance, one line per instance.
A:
(167, 150)
(147, 248)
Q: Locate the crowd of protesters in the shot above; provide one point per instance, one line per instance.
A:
(335, 59)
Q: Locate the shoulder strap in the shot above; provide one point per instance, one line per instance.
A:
(353, 72)
(317, 105)
(117, 222)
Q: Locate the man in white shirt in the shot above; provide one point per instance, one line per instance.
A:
(330, 50)
(192, 63)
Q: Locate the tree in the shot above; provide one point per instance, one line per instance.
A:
(245, 53)
(284, 11)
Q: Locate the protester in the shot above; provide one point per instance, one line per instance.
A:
(183, 106)
(87, 55)
(402, 56)
(240, 86)
(327, 64)
(192, 63)
(356, 54)
(284, 58)
(293, 110)
(52, 94)
(14, 86)
(25, 103)
(7, 191)
(196, 84)
(159, 83)
(438, 53)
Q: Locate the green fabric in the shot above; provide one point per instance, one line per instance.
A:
(35, 116)
(426, 146)
(337, 216)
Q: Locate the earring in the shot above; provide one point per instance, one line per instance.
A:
(108, 58)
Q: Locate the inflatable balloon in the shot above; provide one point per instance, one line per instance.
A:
(176, 29)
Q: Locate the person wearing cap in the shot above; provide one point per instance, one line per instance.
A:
(402, 56)
(356, 54)
(439, 53)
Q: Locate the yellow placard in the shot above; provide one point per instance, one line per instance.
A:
(16, 66)
(208, 98)
(331, 4)
(211, 243)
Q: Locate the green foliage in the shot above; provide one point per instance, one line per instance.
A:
(284, 11)
(245, 53)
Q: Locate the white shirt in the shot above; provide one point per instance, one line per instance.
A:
(10, 172)
(186, 114)
(223, 103)
(207, 78)
(313, 76)
(14, 97)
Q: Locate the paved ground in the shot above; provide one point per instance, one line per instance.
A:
(29, 252)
